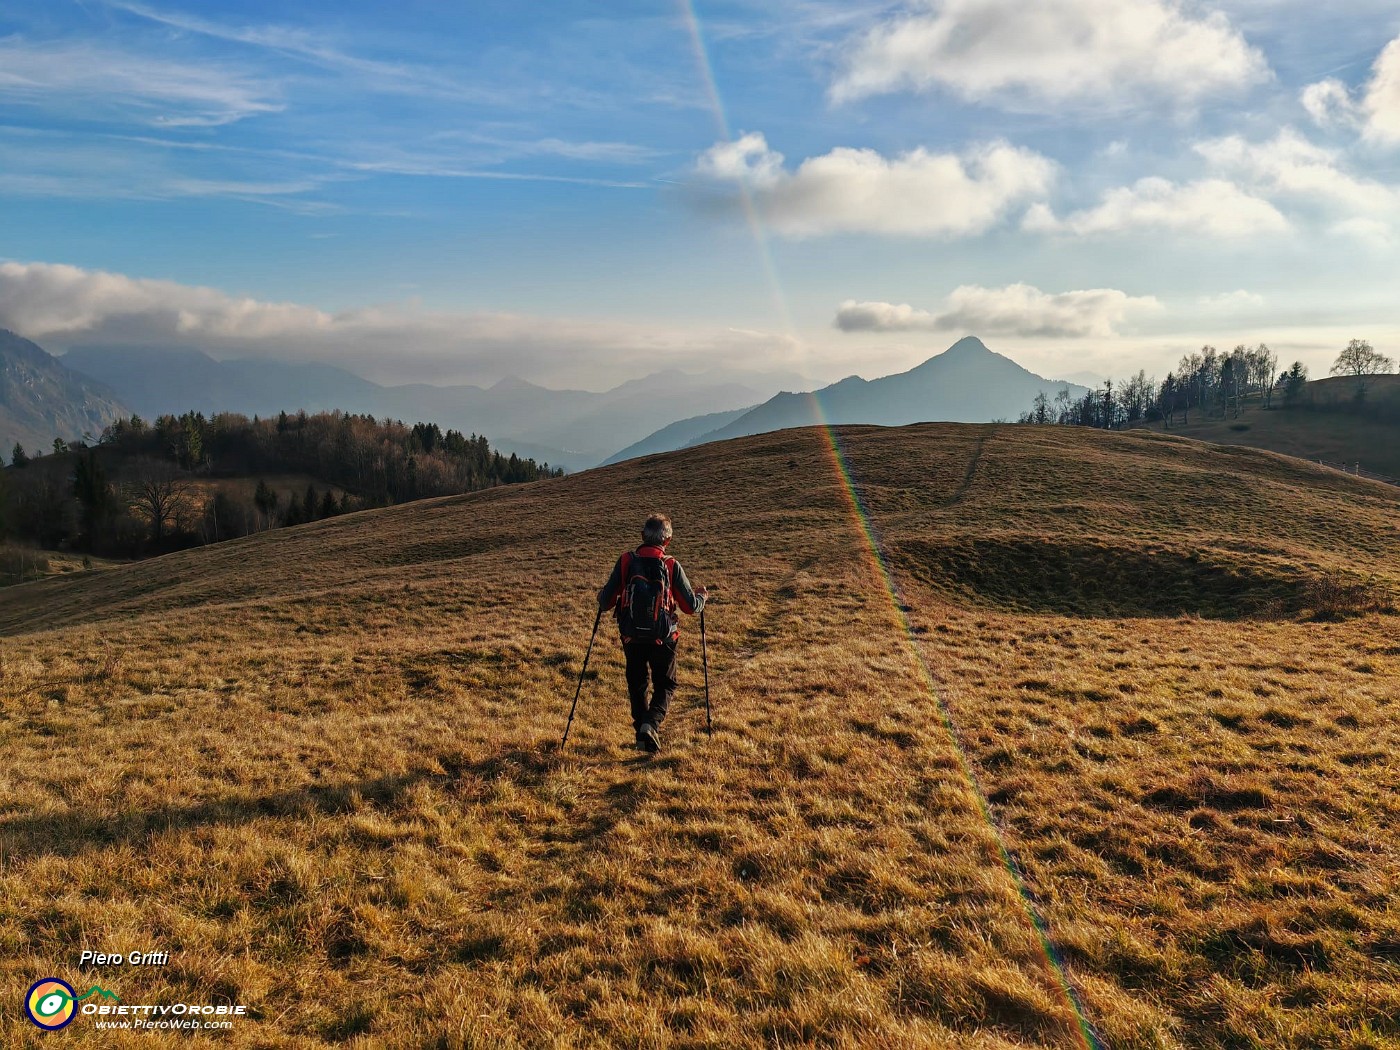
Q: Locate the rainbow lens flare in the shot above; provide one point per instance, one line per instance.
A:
(1088, 1038)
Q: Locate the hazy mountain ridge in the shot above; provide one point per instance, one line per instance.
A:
(577, 429)
(42, 399)
(967, 383)
(570, 428)
(678, 435)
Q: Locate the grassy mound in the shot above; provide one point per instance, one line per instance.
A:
(317, 766)
(1329, 425)
(1104, 578)
(1081, 578)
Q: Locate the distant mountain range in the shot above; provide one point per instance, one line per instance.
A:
(569, 428)
(156, 382)
(967, 383)
(678, 435)
(41, 399)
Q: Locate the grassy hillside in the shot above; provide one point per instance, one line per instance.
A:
(317, 765)
(1327, 427)
(1382, 390)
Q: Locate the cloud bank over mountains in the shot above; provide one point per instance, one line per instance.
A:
(62, 306)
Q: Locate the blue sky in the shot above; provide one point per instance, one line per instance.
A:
(577, 193)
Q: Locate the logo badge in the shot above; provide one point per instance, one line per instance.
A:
(50, 1004)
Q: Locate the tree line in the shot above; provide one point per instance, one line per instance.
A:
(152, 487)
(1207, 383)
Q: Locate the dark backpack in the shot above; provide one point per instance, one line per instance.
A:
(644, 613)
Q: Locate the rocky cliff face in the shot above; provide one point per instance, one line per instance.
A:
(40, 399)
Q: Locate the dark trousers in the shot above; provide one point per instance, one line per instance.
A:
(657, 662)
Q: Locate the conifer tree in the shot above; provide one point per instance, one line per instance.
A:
(266, 502)
(93, 494)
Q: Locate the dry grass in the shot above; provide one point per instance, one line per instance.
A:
(1340, 435)
(21, 562)
(317, 765)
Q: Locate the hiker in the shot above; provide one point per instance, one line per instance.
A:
(645, 589)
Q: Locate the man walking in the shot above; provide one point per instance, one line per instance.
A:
(645, 589)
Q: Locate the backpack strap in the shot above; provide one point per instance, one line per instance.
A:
(668, 572)
(623, 567)
(669, 567)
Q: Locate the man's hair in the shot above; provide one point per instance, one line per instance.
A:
(657, 530)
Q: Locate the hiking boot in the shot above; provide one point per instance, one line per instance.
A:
(648, 739)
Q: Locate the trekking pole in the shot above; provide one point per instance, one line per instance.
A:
(705, 662)
(596, 621)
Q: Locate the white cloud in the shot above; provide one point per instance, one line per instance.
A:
(1052, 52)
(1016, 310)
(883, 317)
(1382, 101)
(1374, 106)
(61, 306)
(1329, 103)
(1289, 166)
(747, 159)
(916, 194)
(1210, 207)
(154, 90)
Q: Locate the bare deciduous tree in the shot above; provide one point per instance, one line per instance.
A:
(1362, 360)
(159, 494)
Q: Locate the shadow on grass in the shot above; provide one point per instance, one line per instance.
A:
(467, 780)
(71, 832)
(1070, 576)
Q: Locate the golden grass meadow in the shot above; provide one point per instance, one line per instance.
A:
(319, 766)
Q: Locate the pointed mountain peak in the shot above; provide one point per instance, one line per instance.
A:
(968, 350)
(968, 344)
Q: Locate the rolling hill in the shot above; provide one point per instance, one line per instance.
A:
(40, 399)
(1102, 750)
(1329, 425)
(967, 383)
